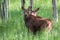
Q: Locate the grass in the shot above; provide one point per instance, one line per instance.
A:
(15, 29)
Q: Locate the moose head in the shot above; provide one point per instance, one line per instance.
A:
(29, 11)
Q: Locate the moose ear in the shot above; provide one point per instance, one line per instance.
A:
(36, 10)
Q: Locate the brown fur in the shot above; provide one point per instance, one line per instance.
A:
(36, 23)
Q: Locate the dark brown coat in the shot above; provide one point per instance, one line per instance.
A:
(35, 23)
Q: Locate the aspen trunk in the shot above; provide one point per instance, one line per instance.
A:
(55, 13)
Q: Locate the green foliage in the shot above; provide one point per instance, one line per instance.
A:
(1, 1)
(15, 29)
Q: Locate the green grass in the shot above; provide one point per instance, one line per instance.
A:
(15, 29)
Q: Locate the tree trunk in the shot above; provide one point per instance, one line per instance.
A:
(5, 8)
(0, 9)
(31, 3)
(55, 14)
(22, 2)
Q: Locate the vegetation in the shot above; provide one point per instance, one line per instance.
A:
(15, 29)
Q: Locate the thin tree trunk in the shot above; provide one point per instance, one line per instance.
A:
(0, 9)
(55, 14)
(1, 14)
(6, 9)
(31, 3)
(22, 2)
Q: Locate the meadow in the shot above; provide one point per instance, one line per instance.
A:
(15, 29)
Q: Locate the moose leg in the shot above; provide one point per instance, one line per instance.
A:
(49, 28)
(33, 29)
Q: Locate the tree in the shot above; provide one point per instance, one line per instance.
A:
(22, 3)
(5, 9)
(31, 3)
(0, 9)
(55, 14)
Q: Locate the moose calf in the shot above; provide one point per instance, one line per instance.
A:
(35, 23)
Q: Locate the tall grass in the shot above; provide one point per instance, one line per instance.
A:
(15, 29)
